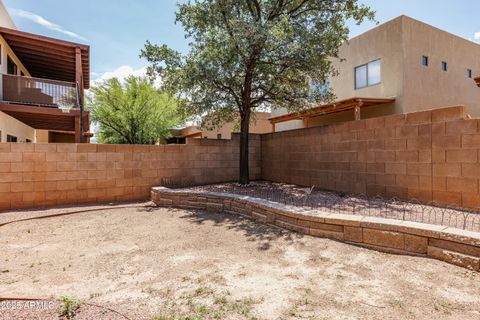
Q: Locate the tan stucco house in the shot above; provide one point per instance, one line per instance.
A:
(259, 125)
(401, 66)
(42, 82)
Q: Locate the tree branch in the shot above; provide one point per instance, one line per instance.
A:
(107, 124)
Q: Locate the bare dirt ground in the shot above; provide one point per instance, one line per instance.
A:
(152, 263)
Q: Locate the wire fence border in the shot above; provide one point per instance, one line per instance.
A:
(343, 203)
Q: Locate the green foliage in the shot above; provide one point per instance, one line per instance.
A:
(134, 112)
(69, 307)
(254, 52)
(251, 54)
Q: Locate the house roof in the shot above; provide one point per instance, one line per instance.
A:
(46, 57)
(338, 106)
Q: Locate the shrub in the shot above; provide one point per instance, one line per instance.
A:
(69, 307)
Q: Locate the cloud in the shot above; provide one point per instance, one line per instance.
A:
(476, 36)
(121, 73)
(45, 23)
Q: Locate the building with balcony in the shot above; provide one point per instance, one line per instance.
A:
(401, 66)
(42, 82)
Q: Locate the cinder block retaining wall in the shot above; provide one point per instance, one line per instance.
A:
(429, 156)
(54, 174)
(455, 246)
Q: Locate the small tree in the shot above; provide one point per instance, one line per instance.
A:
(247, 54)
(134, 112)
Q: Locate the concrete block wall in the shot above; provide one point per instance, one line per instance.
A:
(54, 174)
(431, 156)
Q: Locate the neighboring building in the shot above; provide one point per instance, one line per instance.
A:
(259, 125)
(41, 79)
(401, 66)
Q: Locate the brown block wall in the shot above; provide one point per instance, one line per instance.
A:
(428, 156)
(53, 174)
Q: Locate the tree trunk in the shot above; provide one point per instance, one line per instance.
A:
(244, 177)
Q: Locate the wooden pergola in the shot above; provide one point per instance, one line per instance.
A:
(50, 58)
(56, 60)
(354, 104)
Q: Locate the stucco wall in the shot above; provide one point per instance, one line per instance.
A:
(258, 125)
(429, 87)
(5, 19)
(11, 126)
(383, 42)
(400, 44)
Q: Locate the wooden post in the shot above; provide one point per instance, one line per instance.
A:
(80, 86)
(78, 130)
(357, 113)
(79, 71)
(305, 122)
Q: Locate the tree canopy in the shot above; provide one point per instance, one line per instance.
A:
(246, 54)
(133, 112)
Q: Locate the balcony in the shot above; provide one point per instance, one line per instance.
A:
(39, 92)
(59, 73)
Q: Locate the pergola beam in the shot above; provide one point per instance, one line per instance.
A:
(46, 118)
(354, 104)
(48, 57)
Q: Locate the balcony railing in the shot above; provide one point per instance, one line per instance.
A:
(39, 92)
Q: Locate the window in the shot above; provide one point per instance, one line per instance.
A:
(28, 141)
(374, 72)
(425, 61)
(361, 77)
(219, 136)
(11, 138)
(11, 66)
(469, 73)
(444, 66)
(368, 74)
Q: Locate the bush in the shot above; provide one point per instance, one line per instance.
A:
(69, 307)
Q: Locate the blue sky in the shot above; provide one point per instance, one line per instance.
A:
(117, 29)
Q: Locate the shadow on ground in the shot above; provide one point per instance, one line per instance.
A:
(255, 232)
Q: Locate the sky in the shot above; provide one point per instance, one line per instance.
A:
(116, 30)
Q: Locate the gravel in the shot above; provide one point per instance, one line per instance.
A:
(338, 202)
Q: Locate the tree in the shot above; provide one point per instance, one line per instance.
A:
(247, 54)
(134, 112)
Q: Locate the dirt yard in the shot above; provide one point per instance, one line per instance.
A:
(151, 263)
